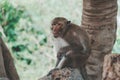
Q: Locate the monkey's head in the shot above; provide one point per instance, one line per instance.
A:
(58, 26)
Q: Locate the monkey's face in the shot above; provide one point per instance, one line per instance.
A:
(58, 25)
(57, 28)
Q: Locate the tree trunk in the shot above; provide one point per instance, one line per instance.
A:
(111, 67)
(7, 63)
(2, 67)
(99, 20)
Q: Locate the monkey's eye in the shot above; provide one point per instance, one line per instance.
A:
(59, 24)
(51, 28)
(53, 24)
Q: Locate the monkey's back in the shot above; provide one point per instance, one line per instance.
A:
(77, 35)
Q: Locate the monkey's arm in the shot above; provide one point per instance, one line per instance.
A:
(62, 53)
(63, 60)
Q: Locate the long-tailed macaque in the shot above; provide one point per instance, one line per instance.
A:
(72, 45)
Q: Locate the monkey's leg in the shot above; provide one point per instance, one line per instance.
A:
(84, 73)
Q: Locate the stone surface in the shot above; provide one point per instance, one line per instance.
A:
(64, 74)
(111, 67)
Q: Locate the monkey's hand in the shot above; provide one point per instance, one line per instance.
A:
(51, 71)
(69, 54)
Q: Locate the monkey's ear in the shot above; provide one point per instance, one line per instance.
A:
(68, 22)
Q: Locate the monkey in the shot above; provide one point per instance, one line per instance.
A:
(72, 45)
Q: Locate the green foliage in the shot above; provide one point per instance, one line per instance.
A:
(0, 34)
(116, 48)
(27, 41)
(9, 17)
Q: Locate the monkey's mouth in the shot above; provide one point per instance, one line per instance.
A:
(55, 35)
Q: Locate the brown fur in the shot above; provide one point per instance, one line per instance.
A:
(79, 44)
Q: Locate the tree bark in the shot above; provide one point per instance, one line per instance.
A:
(7, 63)
(2, 67)
(99, 20)
(111, 67)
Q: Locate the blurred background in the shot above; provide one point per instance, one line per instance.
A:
(25, 28)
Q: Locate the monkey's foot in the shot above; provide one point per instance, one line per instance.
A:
(53, 70)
